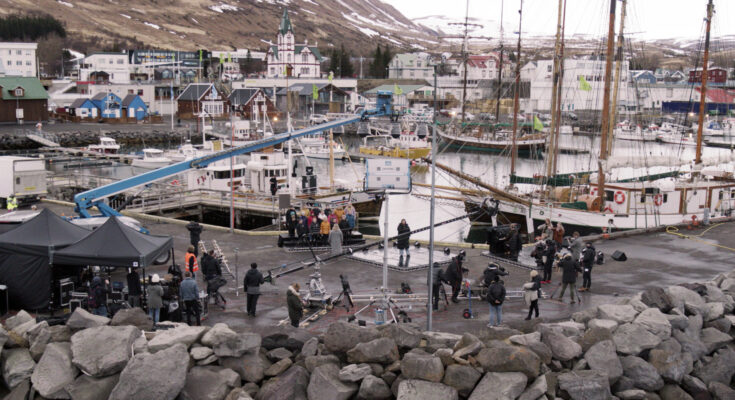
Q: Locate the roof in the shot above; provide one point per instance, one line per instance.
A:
(405, 88)
(41, 232)
(242, 96)
(274, 49)
(32, 86)
(313, 49)
(129, 99)
(100, 96)
(194, 91)
(79, 102)
(307, 89)
(285, 23)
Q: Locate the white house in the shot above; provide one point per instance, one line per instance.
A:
(411, 66)
(19, 59)
(106, 67)
(286, 58)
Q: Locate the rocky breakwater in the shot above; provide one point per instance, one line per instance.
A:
(664, 343)
(146, 137)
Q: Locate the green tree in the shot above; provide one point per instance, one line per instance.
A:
(334, 60)
(345, 62)
(374, 69)
(385, 62)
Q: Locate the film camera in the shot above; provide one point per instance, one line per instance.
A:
(497, 238)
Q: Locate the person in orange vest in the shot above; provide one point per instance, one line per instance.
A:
(190, 261)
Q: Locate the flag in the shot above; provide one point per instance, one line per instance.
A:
(583, 84)
(397, 89)
(537, 124)
(200, 56)
(315, 92)
(229, 57)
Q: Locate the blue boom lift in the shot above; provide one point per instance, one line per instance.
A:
(96, 197)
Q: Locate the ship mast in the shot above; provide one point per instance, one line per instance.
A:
(500, 67)
(703, 91)
(559, 90)
(465, 58)
(552, 144)
(618, 67)
(606, 106)
(516, 94)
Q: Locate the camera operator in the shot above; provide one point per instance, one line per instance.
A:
(549, 253)
(454, 273)
(538, 254)
(588, 260)
(493, 270)
(513, 242)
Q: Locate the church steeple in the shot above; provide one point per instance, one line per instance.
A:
(285, 23)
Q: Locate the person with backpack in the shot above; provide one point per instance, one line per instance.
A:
(155, 298)
(97, 298)
(531, 293)
(496, 296)
(569, 268)
(189, 293)
(252, 282)
(589, 255)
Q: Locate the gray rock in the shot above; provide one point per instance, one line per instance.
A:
(231, 378)
(279, 354)
(585, 316)
(680, 295)
(54, 371)
(200, 353)
(3, 336)
(631, 394)
(499, 385)
(445, 355)
(542, 351)
(602, 357)
(637, 304)
(18, 319)
(87, 347)
(461, 377)
(643, 374)
(405, 336)
(134, 316)
(290, 385)
(153, 376)
(535, 390)
(585, 385)
(525, 340)
(691, 345)
(278, 367)
(721, 391)
(211, 359)
(82, 319)
(657, 297)
(695, 325)
(312, 362)
(671, 345)
(606, 324)
(382, 350)
(468, 345)
(204, 384)
(309, 348)
(292, 339)
(678, 321)
(728, 285)
(422, 366)
(184, 334)
(634, 338)
(238, 394)
(373, 388)
(713, 311)
(226, 343)
(674, 392)
(720, 368)
(593, 336)
(721, 324)
(654, 321)
(510, 359)
(713, 339)
(250, 366)
(325, 384)
(415, 389)
(17, 366)
(437, 340)
(354, 372)
(88, 388)
(672, 366)
(563, 348)
(342, 336)
(695, 387)
(566, 328)
(620, 313)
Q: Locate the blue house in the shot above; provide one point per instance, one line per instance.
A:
(83, 108)
(643, 76)
(134, 107)
(109, 105)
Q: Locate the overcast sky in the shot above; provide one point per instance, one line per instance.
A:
(646, 19)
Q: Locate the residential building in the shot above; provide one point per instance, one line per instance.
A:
(181, 66)
(273, 85)
(715, 75)
(409, 94)
(133, 107)
(302, 102)
(202, 99)
(19, 59)
(83, 108)
(411, 66)
(643, 76)
(286, 58)
(105, 68)
(239, 54)
(109, 104)
(22, 99)
(251, 102)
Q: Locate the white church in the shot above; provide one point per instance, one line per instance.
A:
(290, 59)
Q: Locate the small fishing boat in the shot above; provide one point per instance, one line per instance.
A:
(107, 145)
(152, 159)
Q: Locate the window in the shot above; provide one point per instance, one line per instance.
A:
(28, 52)
(19, 62)
(140, 92)
(289, 58)
(130, 91)
(273, 71)
(120, 61)
(19, 52)
(28, 62)
(304, 57)
(548, 68)
(418, 64)
(10, 62)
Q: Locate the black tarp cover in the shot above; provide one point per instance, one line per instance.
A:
(114, 244)
(24, 257)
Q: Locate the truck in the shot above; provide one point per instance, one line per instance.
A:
(24, 177)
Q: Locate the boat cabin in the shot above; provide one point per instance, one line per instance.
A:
(264, 166)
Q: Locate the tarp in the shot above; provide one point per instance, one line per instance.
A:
(114, 244)
(24, 257)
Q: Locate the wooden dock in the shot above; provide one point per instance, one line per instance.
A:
(81, 152)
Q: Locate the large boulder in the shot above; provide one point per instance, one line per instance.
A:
(436, 340)
(720, 368)
(325, 384)
(602, 357)
(510, 359)
(721, 391)
(416, 365)
(82, 319)
(678, 321)
(382, 350)
(103, 350)
(134, 316)
(563, 348)
(226, 343)
(290, 385)
(416, 389)
(690, 344)
(279, 354)
(204, 384)
(606, 324)
(292, 339)
(593, 336)
(643, 374)
(373, 388)
(461, 377)
(468, 345)
(278, 367)
(181, 333)
(354, 372)
(535, 390)
(657, 297)
(88, 388)
(17, 366)
(620, 313)
(655, 322)
(42, 335)
(309, 348)
(405, 336)
(17, 320)
(499, 386)
(585, 385)
(712, 311)
(634, 338)
(54, 371)
(674, 392)
(525, 340)
(312, 362)
(153, 376)
(695, 387)
(672, 366)
(250, 366)
(713, 339)
(680, 295)
(342, 336)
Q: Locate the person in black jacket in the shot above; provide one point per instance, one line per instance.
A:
(295, 305)
(98, 296)
(533, 292)
(291, 221)
(569, 269)
(403, 245)
(549, 253)
(210, 266)
(496, 296)
(134, 289)
(588, 260)
(195, 231)
(253, 280)
(437, 278)
(453, 274)
(514, 242)
(492, 271)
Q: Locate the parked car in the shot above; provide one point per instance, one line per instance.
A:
(486, 117)
(316, 119)
(569, 115)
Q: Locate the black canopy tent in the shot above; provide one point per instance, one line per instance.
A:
(24, 257)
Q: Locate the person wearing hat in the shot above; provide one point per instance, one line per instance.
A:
(253, 280)
(195, 231)
(491, 272)
(155, 298)
(531, 293)
(453, 274)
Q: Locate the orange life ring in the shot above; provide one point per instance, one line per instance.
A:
(619, 197)
(609, 209)
(658, 199)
